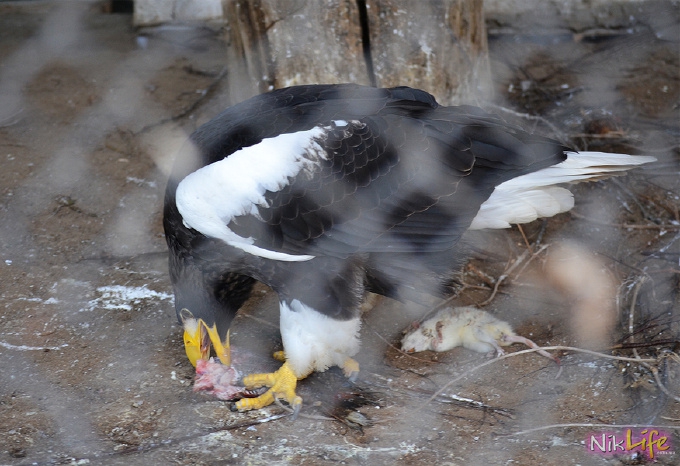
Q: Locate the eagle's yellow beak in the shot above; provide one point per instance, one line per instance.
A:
(222, 348)
(197, 339)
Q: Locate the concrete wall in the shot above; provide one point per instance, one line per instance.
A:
(536, 15)
(576, 16)
(153, 12)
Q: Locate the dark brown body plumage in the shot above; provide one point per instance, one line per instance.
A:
(401, 180)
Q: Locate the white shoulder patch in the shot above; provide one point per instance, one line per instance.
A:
(209, 198)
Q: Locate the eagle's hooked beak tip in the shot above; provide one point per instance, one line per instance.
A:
(222, 347)
(198, 338)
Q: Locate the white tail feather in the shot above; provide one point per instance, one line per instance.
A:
(528, 197)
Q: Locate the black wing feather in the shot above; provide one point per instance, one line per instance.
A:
(402, 182)
(409, 177)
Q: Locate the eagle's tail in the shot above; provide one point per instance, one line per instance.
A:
(535, 195)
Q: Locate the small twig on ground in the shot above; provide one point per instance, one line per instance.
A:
(485, 277)
(645, 344)
(633, 197)
(502, 278)
(533, 256)
(610, 135)
(631, 331)
(520, 259)
(591, 426)
(632, 226)
(524, 237)
(177, 440)
(533, 350)
(631, 313)
(670, 418)
(662, 387)
(394, 347)
(302, 415)
(474, 404)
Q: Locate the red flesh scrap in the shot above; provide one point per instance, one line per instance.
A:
(214, 378)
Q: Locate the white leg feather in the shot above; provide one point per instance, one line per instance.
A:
(313, 341)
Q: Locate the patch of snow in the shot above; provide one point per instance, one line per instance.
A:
(124, 297)
(31, 348)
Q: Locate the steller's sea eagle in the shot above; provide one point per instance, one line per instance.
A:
(325, 191)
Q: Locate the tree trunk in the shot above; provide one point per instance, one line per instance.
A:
(436, 45)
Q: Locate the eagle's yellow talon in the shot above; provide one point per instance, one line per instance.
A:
(282, 383)
(351, 369)
(280, 356)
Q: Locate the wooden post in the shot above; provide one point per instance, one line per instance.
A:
(436, 45)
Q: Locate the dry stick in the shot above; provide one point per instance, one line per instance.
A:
(475, 404)
(655, 272)
(514, 265)
(631, 313)
(174, 441)
(646, 344)
(609, 135)
(566, 426)
(497, 282)
(631, 318)
(633, 197)
(524, 237)
(533, 256)
(533, 350)
(627, 225)
(670, 418)
(392, 346)
(662, 387)
(500, 279)
(302, 415)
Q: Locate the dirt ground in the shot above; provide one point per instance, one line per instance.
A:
(93, 369)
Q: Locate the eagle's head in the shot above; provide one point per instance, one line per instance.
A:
(207, 294)
(206, 308)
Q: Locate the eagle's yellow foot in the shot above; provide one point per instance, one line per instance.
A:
(351, 369)
(282, 385)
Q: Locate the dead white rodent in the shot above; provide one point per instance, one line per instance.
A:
(468, 327)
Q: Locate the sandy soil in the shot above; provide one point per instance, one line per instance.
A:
(93, 369)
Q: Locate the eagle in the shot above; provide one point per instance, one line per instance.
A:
(325, 192)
